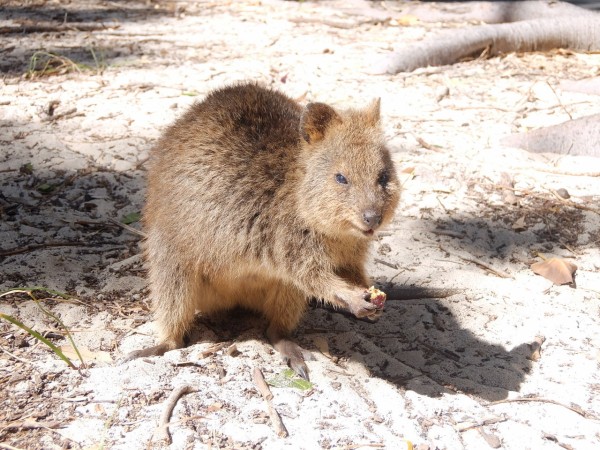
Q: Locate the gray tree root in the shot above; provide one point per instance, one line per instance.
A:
(535, 25)
(575, 33)
(574, 137)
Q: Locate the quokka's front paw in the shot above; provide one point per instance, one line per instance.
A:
(359, 304)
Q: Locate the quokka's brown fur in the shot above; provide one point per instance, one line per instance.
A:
(255, 201)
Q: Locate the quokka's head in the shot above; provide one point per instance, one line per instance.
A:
(349, 185)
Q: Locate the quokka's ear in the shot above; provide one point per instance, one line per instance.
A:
(373, 112)
(316, 119)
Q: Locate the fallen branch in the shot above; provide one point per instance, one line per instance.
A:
(263, 388)
(161, 433)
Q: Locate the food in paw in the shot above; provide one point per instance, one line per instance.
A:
(376, 297)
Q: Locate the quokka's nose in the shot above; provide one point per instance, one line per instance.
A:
(372, 218)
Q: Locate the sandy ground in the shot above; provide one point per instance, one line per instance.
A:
(459, 372)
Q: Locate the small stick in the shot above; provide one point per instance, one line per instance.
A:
(456, 234)
(127, 227)
(567, 173)
(162, 430)
(427, 145)
(465, 427)
(367, 444)
(65, 115)
(263, 388)
(9, 447)
(50, 27)
(15, 356)
(486, 266)
(30, 424)
(30, 248)
(577, 410)
(385, 263)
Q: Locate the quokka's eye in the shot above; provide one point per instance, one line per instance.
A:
(340, 178)
(383, 179)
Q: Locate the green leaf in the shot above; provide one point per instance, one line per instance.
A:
(190, 93)
(45, 188)
(289, 379)
(26, 169)
(131, 218)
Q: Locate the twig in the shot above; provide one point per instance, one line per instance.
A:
(335, 23)
(385, 263)
(469, 426)
(50, 27)
(428, 146)
(214, 348)
(559, 101)
(65, 115)
(161, 433)
(573, 204)
(9, 447)
(29, 424)
(128, 228)
(366, 444)
(456, 234)
(486, 266)
(15, 356)
(263, 388)
(577, 410)
(562, 172)
(30, 248)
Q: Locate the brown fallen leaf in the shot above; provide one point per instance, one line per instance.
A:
(557, 270)
(86, 354)
(323, 346)
(536, 348)
(519, 224)
(406, 20)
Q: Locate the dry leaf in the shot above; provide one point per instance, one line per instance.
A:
(86, 354)
(322, 345)
(215, 407)
(407, 20)
(519, 225)
(536, 348)
(557, 270)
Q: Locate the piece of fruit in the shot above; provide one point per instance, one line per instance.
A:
(376, 297)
